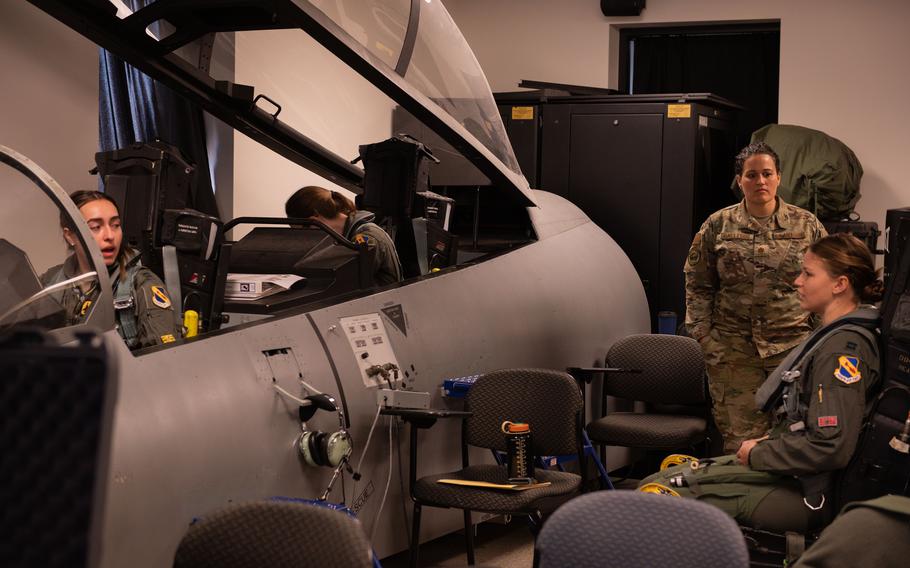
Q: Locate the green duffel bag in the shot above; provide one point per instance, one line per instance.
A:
(818, 172)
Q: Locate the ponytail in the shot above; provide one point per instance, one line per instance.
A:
(312, 201)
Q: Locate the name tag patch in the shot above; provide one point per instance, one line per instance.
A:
(159, 298)
(847, 369)
(827, 421)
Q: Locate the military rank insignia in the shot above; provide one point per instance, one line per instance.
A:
(847, 369)
(159, 298)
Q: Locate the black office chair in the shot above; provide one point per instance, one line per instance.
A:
(278, 534)
(668, 373)
(58, 409)
(630, 529)
(550, 402)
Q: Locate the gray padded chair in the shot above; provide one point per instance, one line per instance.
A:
(669, 375)
(629, 529)
(278, 534)
(550, 401)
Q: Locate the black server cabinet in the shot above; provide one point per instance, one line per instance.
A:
(648, 169)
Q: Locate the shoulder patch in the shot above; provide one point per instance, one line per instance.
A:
(847, 370)
(159, 298)
(362, 239)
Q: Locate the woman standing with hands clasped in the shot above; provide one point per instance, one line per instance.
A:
(741, 304)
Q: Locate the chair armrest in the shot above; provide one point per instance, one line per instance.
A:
(424, 417)
(586, 374)
(420, 418)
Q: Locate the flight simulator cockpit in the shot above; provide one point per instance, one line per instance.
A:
(416, 62)
(495, 275)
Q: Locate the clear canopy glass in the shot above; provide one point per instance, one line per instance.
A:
(45, 282)
(441, 65)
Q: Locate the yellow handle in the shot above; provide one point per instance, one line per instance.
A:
(191, 323)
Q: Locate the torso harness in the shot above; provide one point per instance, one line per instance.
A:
(780, 393)
(356, 221)
(125, 303)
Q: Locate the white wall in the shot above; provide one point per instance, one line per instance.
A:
(49, 113)
(48, 94)
(843, 64)
(320, 97)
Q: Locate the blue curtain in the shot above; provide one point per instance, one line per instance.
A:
(133, 107)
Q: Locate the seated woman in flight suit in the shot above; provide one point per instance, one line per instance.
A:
(145, 315)
(339, 213)
(818, 395)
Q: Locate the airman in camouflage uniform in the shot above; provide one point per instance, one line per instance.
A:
(742, 307)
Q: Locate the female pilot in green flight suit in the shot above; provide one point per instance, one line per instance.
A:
(339, 213)
(818, 396)
(145, 315)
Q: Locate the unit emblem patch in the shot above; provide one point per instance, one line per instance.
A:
(159, 298)
(847, 369)
(362, 239)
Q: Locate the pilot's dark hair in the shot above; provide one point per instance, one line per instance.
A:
(754, 149)
(82, 197)
(313, 200)
(846, 255)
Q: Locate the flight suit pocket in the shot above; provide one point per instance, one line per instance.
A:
(824, 416)
(788, 249)
(735, 263)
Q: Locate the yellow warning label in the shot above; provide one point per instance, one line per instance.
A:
(679, 111)
(522, 113)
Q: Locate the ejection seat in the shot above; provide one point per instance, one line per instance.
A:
(667, 373)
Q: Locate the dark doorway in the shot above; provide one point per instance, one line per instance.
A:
(738, 62)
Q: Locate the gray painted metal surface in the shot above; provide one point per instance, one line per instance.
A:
(200, 425)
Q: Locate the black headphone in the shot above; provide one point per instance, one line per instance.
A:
(323, 448)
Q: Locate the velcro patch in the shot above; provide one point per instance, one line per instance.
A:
(159, 298)
(847, 369)
(827, 421)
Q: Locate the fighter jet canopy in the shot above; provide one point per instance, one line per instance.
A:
(411, 50)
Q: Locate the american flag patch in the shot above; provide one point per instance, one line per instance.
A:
(826, 421)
